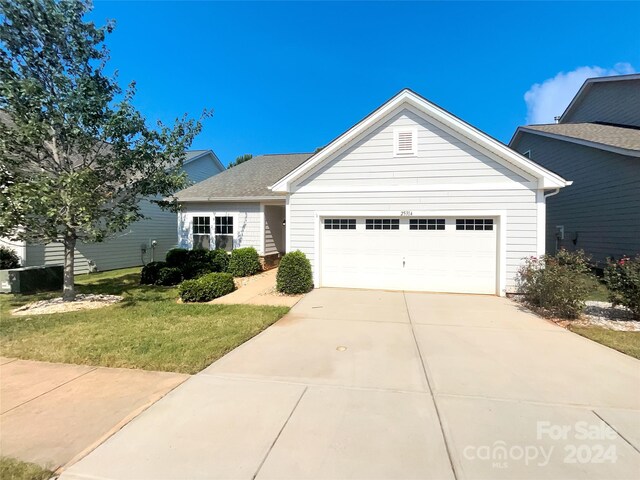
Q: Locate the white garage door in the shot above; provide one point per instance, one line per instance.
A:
(421, 254)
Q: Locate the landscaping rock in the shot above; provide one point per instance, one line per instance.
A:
(56, 305)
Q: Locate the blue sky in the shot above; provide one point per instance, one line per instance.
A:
(290, 76)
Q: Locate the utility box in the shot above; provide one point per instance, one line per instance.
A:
(31, 279)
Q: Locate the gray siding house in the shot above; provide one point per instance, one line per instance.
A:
(142, 242)
(409, 198)
(596, 143)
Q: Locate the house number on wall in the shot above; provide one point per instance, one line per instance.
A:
(406, 213)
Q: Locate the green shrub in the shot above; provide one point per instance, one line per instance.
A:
(198, 263)
(558, 284)
(8, 259)
(623, 280)
(244, 262)
(169, 276)
(177, 257)
(294, 274)
(207, 287)
(150, 272)
(219, 259)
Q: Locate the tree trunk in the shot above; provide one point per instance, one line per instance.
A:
(68, 289)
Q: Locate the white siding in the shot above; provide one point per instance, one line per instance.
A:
(246, 222)
(18, 247)
(273, 229)
(441, 159)
(357, 178)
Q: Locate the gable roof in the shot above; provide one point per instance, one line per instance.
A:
(192, 155)
(623, 140)
(587, 86)
(245, 182)
(494, 148)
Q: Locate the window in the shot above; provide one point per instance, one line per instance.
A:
(201, 232)
(426, 224)
(405, 142)
(340, 224)
(224, 233)
(474, 224)
(382, 223)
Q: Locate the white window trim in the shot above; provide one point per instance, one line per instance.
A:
(233, 215)
(414, 141)
(191, 219)
(500, 224)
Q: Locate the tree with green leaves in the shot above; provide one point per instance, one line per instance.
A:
(76, 157)
(240, 159)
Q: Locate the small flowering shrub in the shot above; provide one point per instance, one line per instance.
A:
(559, 285)
(623, 280)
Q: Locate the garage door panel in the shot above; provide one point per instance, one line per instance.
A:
(438, 260)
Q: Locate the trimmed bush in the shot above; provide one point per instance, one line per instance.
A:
(177, 257)
(244, 262)
(294, 274)
(8, 259)
(219, 260)
(207, 287)
(559, 285)
(623, 280)
(198, 263)
(150, 272)
(169, 276)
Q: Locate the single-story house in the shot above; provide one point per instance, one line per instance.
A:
(410, 198)
(596, 143)
(144, 241)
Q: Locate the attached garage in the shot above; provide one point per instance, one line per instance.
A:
(434, 253)
(413, 198)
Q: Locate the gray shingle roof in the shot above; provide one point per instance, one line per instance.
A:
(614, 136)
(250, 179)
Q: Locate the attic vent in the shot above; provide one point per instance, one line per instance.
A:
(405, 142)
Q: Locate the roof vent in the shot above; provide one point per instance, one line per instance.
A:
(405, 141)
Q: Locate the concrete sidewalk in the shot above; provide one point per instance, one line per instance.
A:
(259, 290)
(356, 384)
(53, 414)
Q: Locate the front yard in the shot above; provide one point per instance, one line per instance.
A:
(147, 330)
(625, 342)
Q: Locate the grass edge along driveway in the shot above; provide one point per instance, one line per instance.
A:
(147, 330)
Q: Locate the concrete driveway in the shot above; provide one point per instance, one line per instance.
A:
(357, 384)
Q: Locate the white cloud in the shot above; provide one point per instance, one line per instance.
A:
(549, 99)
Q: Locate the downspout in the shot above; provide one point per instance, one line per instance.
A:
(551, 194)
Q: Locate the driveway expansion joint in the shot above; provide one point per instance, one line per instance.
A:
(615, 430)
(275, 440)
(433, 398)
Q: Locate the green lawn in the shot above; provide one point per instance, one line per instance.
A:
(625, 342)
(147, 330)
(12, 469)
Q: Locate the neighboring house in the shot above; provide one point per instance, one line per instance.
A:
(410, 198)
(596, 143)
(129, 248)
